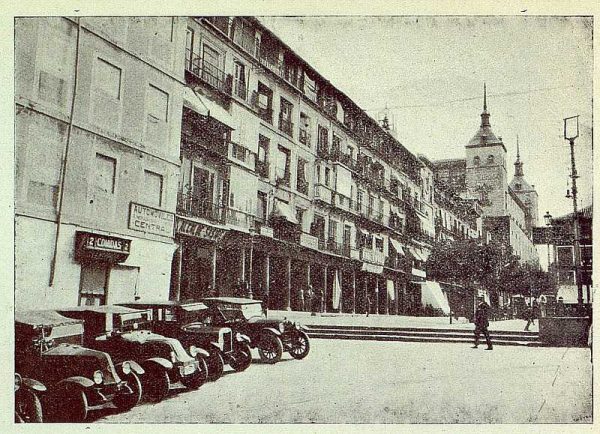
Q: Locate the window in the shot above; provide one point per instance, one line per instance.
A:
(240, 87)
(318, 174)
(92, 285)
(304, 136)
(317, 229)
(300, 216)
(490, 159)
(301, 181)
(262, 163)
(379, 244)
(323, 139)
(152, 189)
(476, 161)
(336, 144)
(264, 102)
(283, 165)
(327, 176)
(261, 206)
(285, 117)
(107, 79)
(332, 234)
(189, 48)
(158, 104)
(105, 171)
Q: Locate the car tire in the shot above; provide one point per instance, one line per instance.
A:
(216, 365)
(127, 402)
(270, 348)
(300, 346)
(203, 367)
(28, 409)
(73, 405)
(157, 383)
(195, 381)
(241, 358)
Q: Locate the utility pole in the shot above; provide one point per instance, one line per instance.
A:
(571, 132)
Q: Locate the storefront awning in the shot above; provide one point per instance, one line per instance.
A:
(417, 254)
(372, 268)
(432, 294)
(397, 246)
(205, 107)
(284, 211)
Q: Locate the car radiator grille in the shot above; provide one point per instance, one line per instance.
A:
(227, 342)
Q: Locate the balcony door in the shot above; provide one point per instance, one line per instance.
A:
(210, 66)
(203, 188)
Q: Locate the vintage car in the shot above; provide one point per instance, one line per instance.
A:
(48, 348)
(125, 334)
(184, 321)
(272, 336)
(28, 407)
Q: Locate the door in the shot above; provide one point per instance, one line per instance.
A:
(93, 283)
(210, 66)
(122, 284)
(202, 193)
(347, 231)
(240, 80)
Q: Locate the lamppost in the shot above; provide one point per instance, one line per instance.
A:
(571, 132)
(548, 221)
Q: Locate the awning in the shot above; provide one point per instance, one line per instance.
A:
(569, 294)
(205, 107)
(397, 246)
(284, 211)
(372, 268)
(432, 294)
(416, 253)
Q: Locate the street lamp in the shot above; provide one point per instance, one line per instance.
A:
(571, 132)
(548, 221)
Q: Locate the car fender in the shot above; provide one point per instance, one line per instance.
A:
(272, 330)
(34, 385)
(164, 363)
(216, 345)
(135, 367)
(202, 352)
(78, 381)
(240, 337)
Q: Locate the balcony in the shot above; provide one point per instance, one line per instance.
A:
(395, 262)
(346, 159)
(208, 73)
(372, 256)
(221, 23)
(262, 169)
(191, 206)
(304, 137)
(309, 241)
(324, 193)
(346, 203)
(265, 112)
(239, 218)
(286, 126)
(193, 138)
(323, 150)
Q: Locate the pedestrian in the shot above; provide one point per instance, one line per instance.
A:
(528, 316)
(368, 304)
(482, 323)
(308, 296)
(318, 300)
(301, 299)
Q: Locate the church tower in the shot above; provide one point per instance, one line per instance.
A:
(486, 175)
(525, 192)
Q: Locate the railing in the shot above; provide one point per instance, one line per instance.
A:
(304, 137)
(193, 138)
(286, 126)
(396, 263)
(324, 193)
(372, 256)
(264, 112)
(346, 159)
(192, 206)
(302, 186)
(268, 59)
(262, 169)
(241, 153)
(208, 73)
(310, 241)
(221, 23)
(322, 150)
(239, 218)
(240, 89)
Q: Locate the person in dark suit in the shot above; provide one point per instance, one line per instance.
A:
(482, 323)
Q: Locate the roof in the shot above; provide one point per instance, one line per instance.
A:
(107, 308)
(231, 300)
(143, 304)
(524, 186)
(586, 212)
(40, 318)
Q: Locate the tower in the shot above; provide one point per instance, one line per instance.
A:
(486, 166)
(525, 192)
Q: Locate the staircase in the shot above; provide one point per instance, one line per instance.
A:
(521, 338)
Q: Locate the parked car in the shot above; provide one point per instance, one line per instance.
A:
(187, 322)
(272, 336)
(48, 348)
(28, 406)
(125, 333)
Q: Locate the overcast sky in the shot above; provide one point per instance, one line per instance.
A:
(429, 72)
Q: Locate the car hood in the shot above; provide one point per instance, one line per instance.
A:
(143, 336)
(201, 328)
(75, 350)
(266, 322)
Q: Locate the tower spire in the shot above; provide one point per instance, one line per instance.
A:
(518, 155)
(518, 163)
(484, 97)
(485, 115)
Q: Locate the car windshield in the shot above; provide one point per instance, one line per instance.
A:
(241, 311)
(132, 321)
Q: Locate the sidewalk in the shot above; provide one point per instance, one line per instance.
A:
(398, 321)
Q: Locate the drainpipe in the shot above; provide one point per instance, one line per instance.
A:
(63, 168)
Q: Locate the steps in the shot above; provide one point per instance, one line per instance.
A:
(411, 334)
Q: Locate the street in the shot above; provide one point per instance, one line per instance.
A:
(390, 382)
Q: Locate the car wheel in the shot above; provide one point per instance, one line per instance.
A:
(203, 368)
(300, 346)
(125, 402)
(28, 409)
(199, 377)
(74, 405)
(241, 358)
(158, 383)
(216, 365)
(270, 348)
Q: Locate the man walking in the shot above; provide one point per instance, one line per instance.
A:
(529, 316)
(482, 323)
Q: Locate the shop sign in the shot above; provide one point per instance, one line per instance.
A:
(199, 230)
(151, 220)
(418, 273)
(102, 247)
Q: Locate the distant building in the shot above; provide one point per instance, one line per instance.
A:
(509, 210)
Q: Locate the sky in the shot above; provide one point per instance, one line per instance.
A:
(429, 73)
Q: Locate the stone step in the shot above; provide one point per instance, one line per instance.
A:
(379, 329)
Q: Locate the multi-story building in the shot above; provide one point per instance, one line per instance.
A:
(98, 116)
(509, 210)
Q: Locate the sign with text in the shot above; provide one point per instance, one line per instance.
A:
(101, 247)
(151, 220)
(199, 230)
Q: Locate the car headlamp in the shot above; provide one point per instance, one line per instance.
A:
(98, 377)
(281, 327)
(173, 357)
(126, 368)
(18, 382)
(194, 351)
